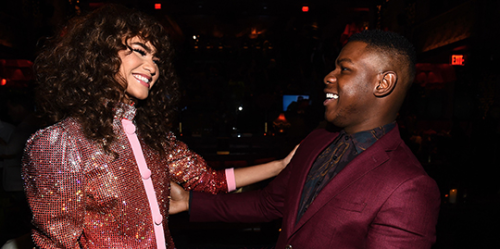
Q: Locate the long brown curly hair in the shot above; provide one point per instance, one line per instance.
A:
(76, 72)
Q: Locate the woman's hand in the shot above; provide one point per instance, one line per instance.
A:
(179, 199)
(285, 161)
(249, 175)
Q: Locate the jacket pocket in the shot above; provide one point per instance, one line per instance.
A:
(348, 205)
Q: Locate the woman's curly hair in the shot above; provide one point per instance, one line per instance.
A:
(76, 73)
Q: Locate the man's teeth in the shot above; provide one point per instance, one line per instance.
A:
(141, 78)
(332, 96)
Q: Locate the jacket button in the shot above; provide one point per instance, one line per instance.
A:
(289, 247)
(146, 174)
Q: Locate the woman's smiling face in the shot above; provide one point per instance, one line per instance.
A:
(139, 68)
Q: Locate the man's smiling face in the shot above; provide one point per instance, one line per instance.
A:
(349, 88)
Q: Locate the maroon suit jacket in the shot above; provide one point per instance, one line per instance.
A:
(381, 199)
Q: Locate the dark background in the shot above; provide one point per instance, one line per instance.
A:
(248, 54)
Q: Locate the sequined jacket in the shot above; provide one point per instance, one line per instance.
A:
(81, 197)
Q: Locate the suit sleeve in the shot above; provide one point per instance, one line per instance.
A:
(255, 206)
(54, 180)
(408, 218)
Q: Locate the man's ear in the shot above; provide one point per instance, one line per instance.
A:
(386, 84)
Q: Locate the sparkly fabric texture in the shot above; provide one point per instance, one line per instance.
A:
(83, 198)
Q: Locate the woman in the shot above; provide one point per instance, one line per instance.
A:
(100, 176)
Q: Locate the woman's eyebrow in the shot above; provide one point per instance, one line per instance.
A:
(143, 46)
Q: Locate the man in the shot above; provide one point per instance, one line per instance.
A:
(357, 188)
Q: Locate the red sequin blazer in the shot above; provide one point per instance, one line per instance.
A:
(81, 197)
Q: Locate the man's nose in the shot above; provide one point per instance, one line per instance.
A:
(330, 78)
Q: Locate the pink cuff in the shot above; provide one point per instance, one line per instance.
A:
(230, 179)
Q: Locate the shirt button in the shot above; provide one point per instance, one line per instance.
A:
(289, 247)
(346, 137)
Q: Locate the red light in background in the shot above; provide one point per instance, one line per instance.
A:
(3, 82)
(457, 60)
(157, 6)
(281, 117)
(305, 8)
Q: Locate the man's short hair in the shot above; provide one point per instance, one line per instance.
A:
(394, 45)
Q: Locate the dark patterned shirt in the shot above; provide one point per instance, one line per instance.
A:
(336, 157)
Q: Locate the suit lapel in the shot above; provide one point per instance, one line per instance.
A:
(309, 151)
(370, 159)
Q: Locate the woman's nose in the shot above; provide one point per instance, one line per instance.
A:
(150, 66)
